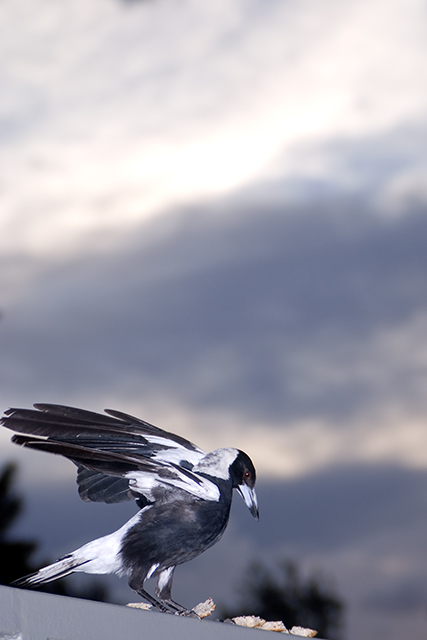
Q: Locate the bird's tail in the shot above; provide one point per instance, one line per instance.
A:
(62, 567)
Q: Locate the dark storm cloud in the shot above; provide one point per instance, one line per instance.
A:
(344, 507)
(408, 594)
(229, 309)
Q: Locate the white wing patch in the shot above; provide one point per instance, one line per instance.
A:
(172, 456)
(174, 452)
(204, 489)
(144, 483)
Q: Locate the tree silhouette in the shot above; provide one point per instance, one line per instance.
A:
(285, 595)
(15, 555)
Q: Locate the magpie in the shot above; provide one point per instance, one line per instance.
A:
(183, 494)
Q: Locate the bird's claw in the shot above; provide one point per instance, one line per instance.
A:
(188, 613)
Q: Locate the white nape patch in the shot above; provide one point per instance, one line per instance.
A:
(152, 570)
(164, 578)
(217, 463)
(103, 554)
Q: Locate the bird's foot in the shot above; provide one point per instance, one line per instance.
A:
(189, 613)
(179, 610)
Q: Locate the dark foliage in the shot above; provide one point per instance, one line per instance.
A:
(15, 555)
(284, 595)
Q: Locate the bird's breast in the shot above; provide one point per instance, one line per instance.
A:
(174, 532)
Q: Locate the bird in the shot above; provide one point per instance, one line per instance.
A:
(183, 494)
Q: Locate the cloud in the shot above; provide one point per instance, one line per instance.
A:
(272, 292)
(301, 320)
(114, 113)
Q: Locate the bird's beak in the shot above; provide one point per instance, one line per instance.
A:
(249, 496)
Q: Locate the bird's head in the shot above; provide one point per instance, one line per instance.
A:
(226, 464)
(243, 474)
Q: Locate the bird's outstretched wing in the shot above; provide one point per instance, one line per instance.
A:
(119, 457)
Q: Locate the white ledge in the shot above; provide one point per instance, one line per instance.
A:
(30, 615)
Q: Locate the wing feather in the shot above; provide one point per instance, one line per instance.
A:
(119, 457)
(53, 420)
(95, 486)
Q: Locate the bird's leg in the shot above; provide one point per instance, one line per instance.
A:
(152, 600)
(136, 583)
(163, 593)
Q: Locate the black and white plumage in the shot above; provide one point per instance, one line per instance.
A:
(184, 494)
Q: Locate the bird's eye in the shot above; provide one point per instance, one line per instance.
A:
(248, 475)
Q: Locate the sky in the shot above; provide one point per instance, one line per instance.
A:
(215, 217)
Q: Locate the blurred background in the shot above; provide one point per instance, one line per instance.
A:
(214, 216)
